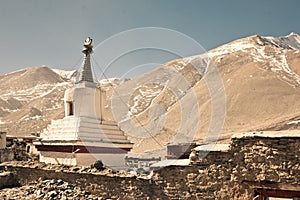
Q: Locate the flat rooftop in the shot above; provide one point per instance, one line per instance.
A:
(213, 147)
(269, 134)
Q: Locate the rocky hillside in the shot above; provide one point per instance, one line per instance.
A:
(260, 78)
(30, 98)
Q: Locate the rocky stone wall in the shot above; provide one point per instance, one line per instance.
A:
(2, 140)
(6, 155)
(266, 162)
(274, 160)
(7, 179)
(252, 162)
(208, 177)
(106, 184)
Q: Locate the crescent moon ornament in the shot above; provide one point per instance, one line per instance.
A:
(87, 46)
(88, 41)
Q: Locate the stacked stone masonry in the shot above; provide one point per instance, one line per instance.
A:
(251, 163)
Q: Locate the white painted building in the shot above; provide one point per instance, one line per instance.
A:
(82, 137)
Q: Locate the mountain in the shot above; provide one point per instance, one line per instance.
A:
(259, 77)
(30, 98)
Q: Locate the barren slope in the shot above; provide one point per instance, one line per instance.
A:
(260, 75)
(30, 98)
(261, 81)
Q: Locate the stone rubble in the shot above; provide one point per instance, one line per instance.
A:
(47, 189)
(66, 168)
(250, 163)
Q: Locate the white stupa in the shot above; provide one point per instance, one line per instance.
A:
(82, 137)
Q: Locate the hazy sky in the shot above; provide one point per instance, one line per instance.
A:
(35, 33)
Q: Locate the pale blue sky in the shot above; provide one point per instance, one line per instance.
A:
(35, 33)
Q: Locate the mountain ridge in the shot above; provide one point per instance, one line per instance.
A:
(261, 77)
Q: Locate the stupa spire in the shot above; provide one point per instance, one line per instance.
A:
(86, 74)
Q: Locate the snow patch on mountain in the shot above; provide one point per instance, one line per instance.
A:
(143, 97)
(280, 65)
(238, 45)
(258, 47)
(294, 122)
(107, 84)
(65, 74)
(110, 81)
(30, 94)
(291, 41)
(26, 118)
(17, 71)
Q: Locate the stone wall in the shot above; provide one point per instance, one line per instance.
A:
(107, 183)
(2, 140)
(251, 163)
(266, 161)
(206, 178)
(269, 162)
(7, 179)
(6, 155)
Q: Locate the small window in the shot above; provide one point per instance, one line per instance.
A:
(28, 148)
(70, 108)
